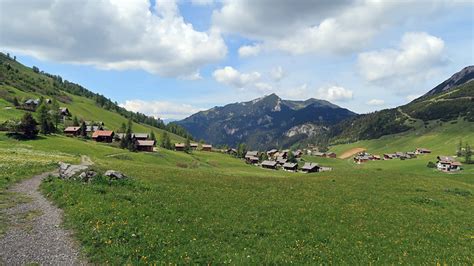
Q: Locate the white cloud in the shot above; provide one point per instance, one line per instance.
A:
(376, 102)
(161, 109)
(319, 26)
(277, 73)
(335, 93)
(202, 2)
(417, 55)
(110, 35)
(249, 50)
(231, 77)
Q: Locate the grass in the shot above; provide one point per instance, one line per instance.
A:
(81, 107)
(217, 209)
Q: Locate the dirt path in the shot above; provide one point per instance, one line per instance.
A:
(351, 152)
(35, 234)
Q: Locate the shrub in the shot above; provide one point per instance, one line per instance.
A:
(431, 165)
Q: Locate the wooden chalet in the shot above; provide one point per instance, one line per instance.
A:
(252, 160)
(389, 156)
(361, 159)
(292, 167)
(72, 131)
(103, 135)
(206, 147)
(375, 157)
(194, 146)
(422, 151)
(298, 153)
(251, 154)
(281, 160)
(140, 136)
(179, 146)
(271, 153)
(32, 103)
(448, 164)
(146, 145)
(330, 155)
(269, 164)
(317, 153)
(310, 168)
(231, 151)
(410, 155)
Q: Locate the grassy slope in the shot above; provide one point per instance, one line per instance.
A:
(82, 107)
(220, 210)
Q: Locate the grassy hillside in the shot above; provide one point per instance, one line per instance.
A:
(212, 208)
(21, 82)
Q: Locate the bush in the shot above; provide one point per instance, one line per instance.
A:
(431, 165)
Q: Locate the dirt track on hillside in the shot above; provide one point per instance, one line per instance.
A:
(351, 152)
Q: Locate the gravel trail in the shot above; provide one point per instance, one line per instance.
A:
(35, 235)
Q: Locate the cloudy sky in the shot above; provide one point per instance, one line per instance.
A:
(172, 58)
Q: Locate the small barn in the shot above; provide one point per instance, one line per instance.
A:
(193, 145)
(206, 147)
(179, 146)
(389, 156)
(361, 159)
(448, 165)
(250, 154)
(310, 168)
(271, 153)
(72, 131)
(281, 160)
(103, 135)
(269, 164)
(140, 136)
(330, 155)
(63, 111)
(252, 160)
(292, 167)
(146, 145)
(298, 153)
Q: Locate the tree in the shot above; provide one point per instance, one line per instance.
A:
(291, 157)
(127, 141)
(83, 129)
(75, 121)
(459, 149)
(35, 69)
(28, 126)
(44, 119)
(165, 140)
(263, 156)
(152, 136)
(187, 145)
(15, 102)
(467, 153)
(241, 150)
(55, 114)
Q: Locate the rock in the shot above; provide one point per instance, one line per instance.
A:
(87, 176)
(66, 171)
(114, 175)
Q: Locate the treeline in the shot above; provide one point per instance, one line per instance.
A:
(16, 77)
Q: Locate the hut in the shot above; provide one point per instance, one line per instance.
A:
(179, 146)
(72, 131)
(140, 136)
(193, 145)
(269, 164)
(63, 111)
(206, 147)
(361, 159)
(330, 155)
(310, 168)
(389, 156)
(103, 136)
(271, 153)
(422, 151)
(281, 160)
(252, 160)
(145, 145)
(251, 154)
(292, 167)
(298, 153)
(448, 164)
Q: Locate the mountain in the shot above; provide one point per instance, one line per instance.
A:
(264, 122)
(459, 78)
(448, 101)
(19, 83)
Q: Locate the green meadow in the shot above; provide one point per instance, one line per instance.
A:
(213, 208)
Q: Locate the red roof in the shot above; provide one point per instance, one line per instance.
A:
(102, 133)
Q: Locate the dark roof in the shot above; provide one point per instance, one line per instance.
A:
(309, 166)
(290, 165)
(252, 158)
(140, 135)
(269, 163)
(251, 153)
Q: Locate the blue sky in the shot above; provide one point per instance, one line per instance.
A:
(173, 58)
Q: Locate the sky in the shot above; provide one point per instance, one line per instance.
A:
(170, 58)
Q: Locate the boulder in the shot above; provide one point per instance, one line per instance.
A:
(66, 171)
(114, 175)
(87, 176)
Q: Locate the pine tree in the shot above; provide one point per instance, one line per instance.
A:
(75, 121)
(459, 150)
(166, 141)
(127, 140)
(152, 136)
(123, 128)
(291, 157)
(467, 153)
(28, 126)
(15, 102)
(187, 145)
(241, 150)
(55, 115)
(44, 119)
(263, 156)
(83, 129)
